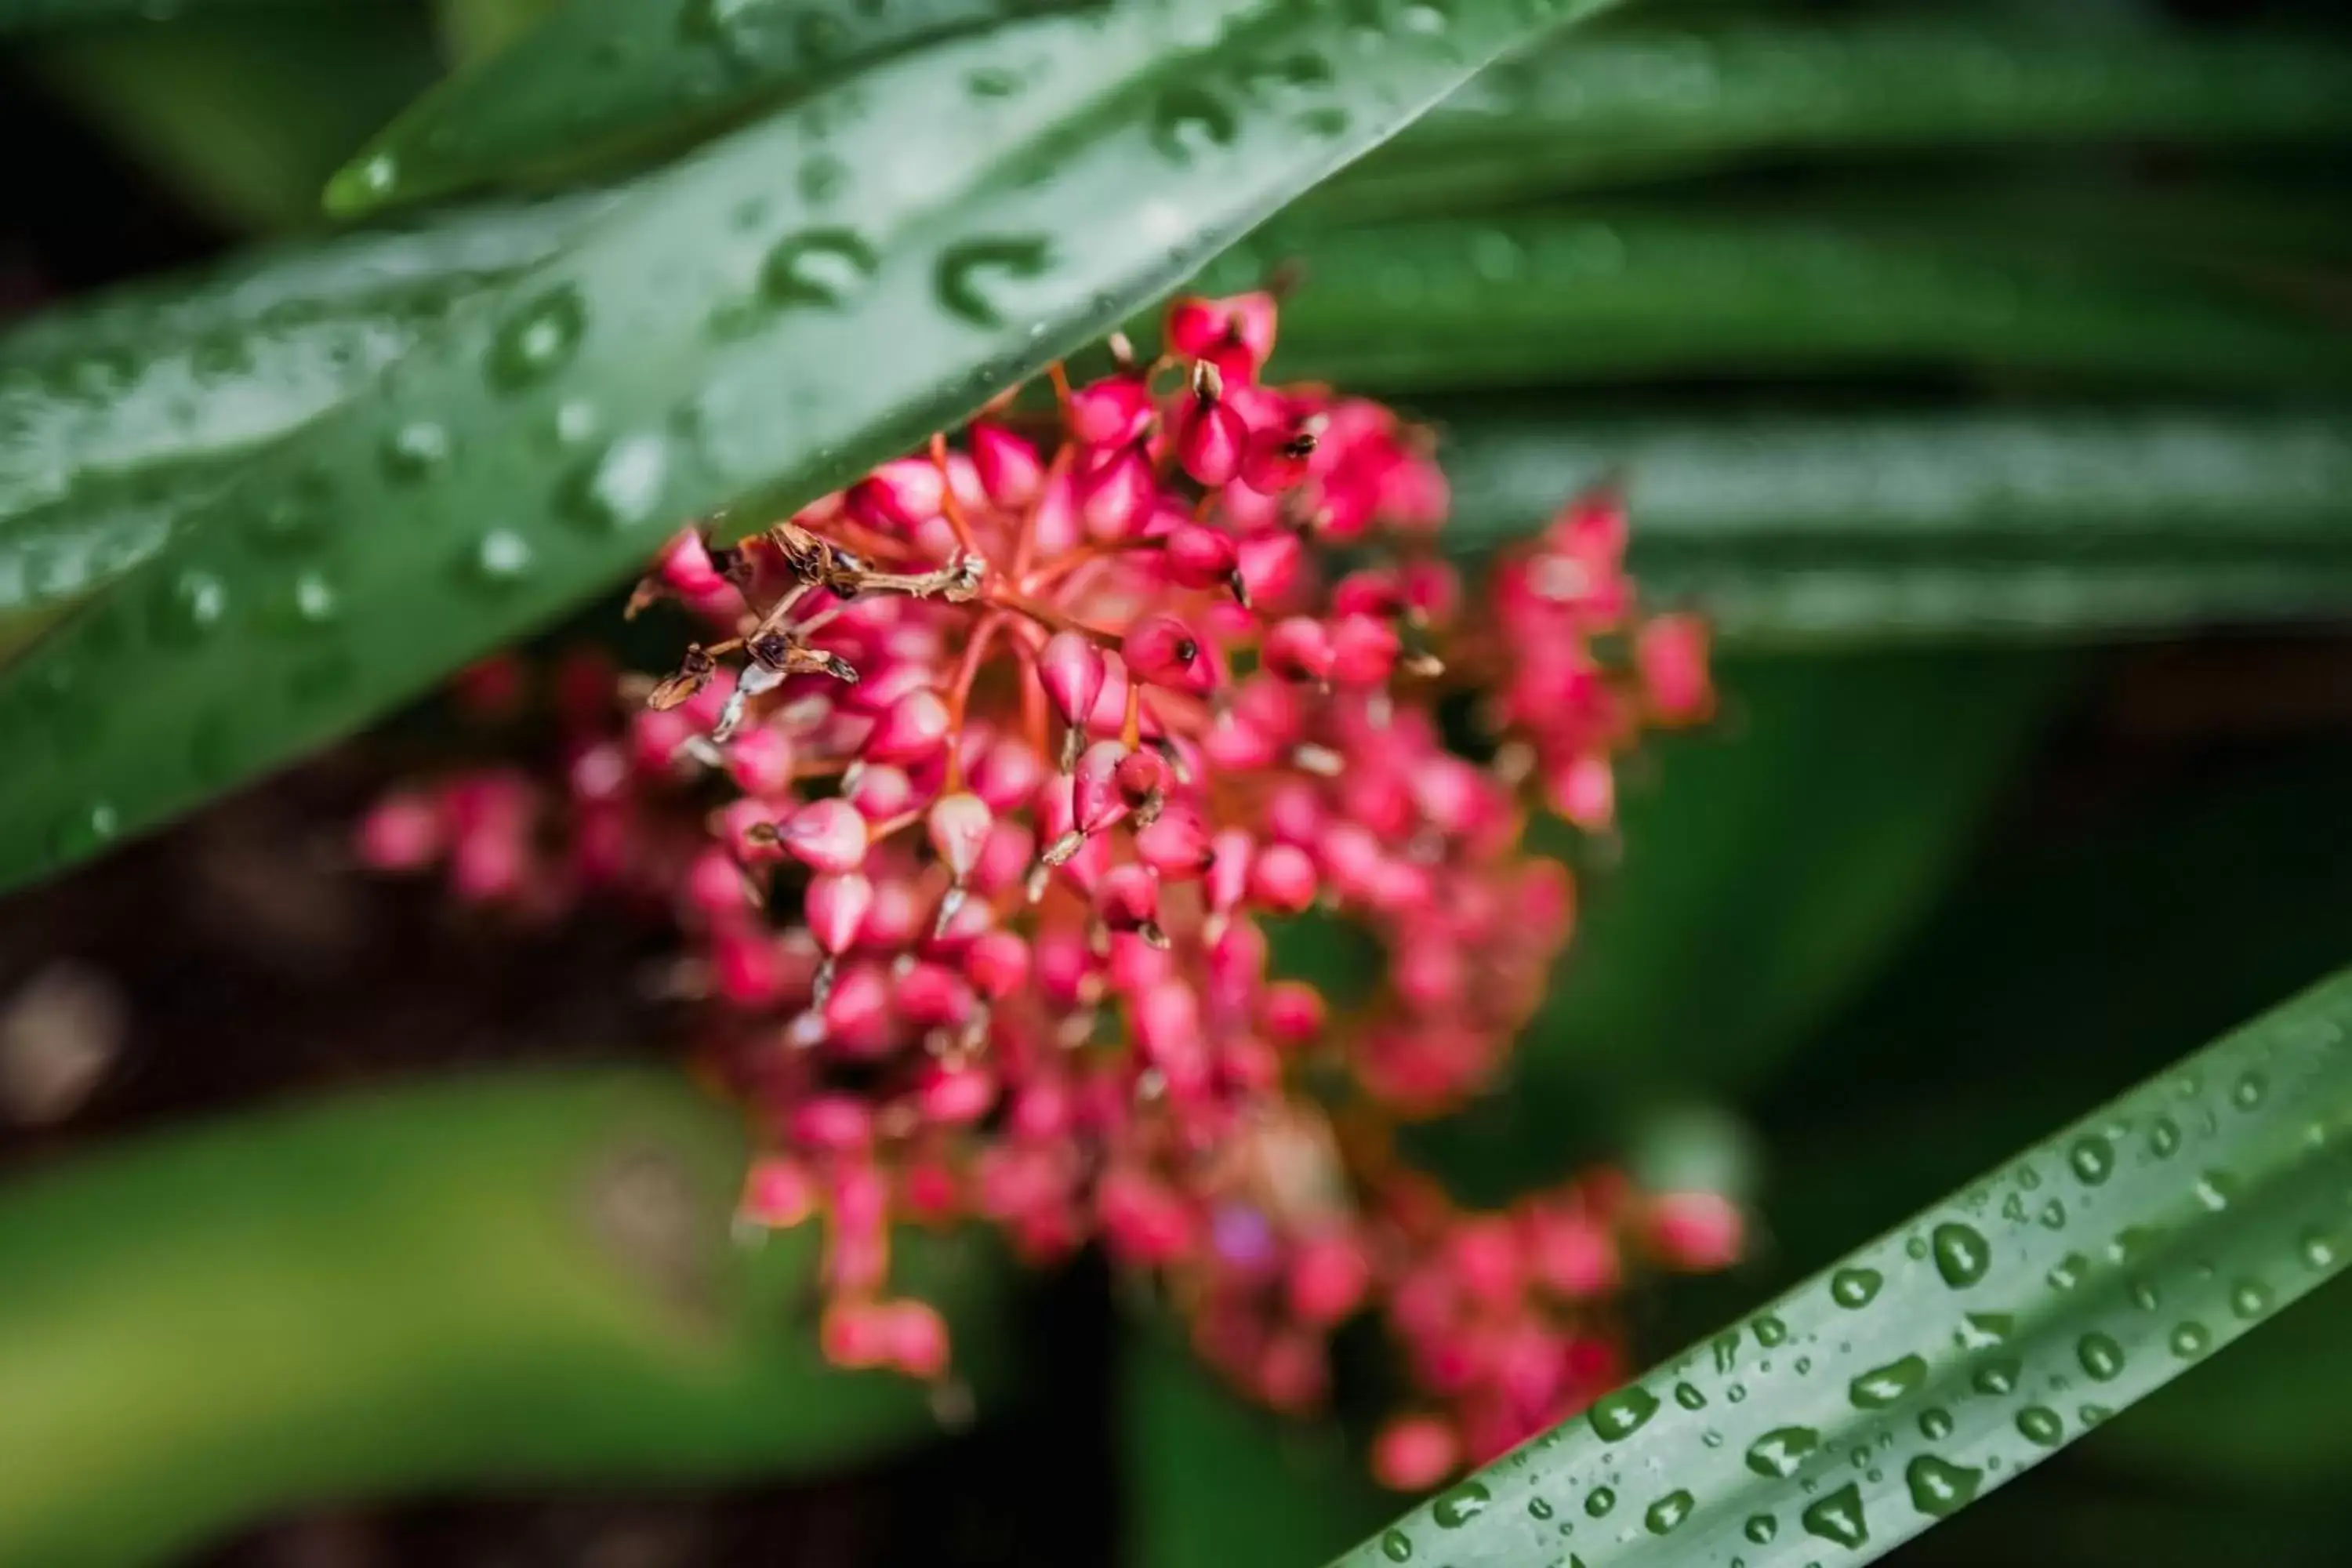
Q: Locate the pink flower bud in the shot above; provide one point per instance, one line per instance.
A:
(1231, 853)
(860, 1023)
(1268, 565)
(1095, 799)
(1071, 667)
(400, 833)
(745, 970)
(1698, 1232)
(899, 495)
(1143, 1223)
(1414, 1453)
(1197, 328)
(836, 908)
(1141, 777)
(1198, 556)
(954, 1096)
(913, 727)
(1008, 467)
(1277, 460)
(1111, 412)
(1210, 441)
(878, 792)
(1167, 1024)
(1292, 1012)
(1283, 878)
(915, 1339)
(715, 888)
(1298, 649)
(1363, 651)
(1584, 791)
(1329, 1279)
(825, 835)
(1128, 898)
(1007, 774)
(684, 567)
(958, 825)
(831, 1123)
(997, 964)
(1671, 654)
(1573, 1254)
(1162, 651)
(1114, 494)
(760, 761)
(1176, 846)
(855, 1335)
(778, 1192)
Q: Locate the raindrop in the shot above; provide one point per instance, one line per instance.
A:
(1189, 122)
(1668, 1512)
(1778, 1453)
(1935, 1425)
(2318, 1248)
(1855, 1288)
(1837, 1516)
(1619, 1416)
(2248, 1091)
(2250, 1299)
(1770, 1332)
(2068, 1272)
(820, 267)
(2101, 1357)
(538, 339)
(1882, 1387)
(501, 556)
(2163, 1137)
(84, 831)
(2040, 1425)
(375, 177)
(1460, 1506)
(416, 450)
(965, 270)
(1597, 1503)
(1938, 1487)
(2092, 1415)
(1760, 1529)
(1396, 1547)
(190, 605)
(1996, 1378)
(2191, 1339)
(2215, 1189)
(2143, 1296)
(1961, 1254)
(623, 486)
(1979, 1331)
(575, 422)
(2093, 1159)
(1539, 1509)
(1687, 1395)
(2053, 1216)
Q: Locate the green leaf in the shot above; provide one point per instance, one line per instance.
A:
(1960, 1349)
(242, 114)
(2026, 525)
(53, 556)
(521, 1280)
(200, 368)
(598, 79)
(1639, 101)
(748, 330)
(1215, 1482)
(1646, 292)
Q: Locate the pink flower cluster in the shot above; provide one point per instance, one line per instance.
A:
(978, 806)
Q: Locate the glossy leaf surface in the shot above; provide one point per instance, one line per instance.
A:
(1961, 1348)
(749, 329)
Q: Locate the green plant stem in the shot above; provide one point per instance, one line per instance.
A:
(523, 1279)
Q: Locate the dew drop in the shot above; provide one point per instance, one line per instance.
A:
(818, 267)
(970, 272)
(2318, 1248)
(191, 607)
(1598, 1501)
(1668, 1512)
(2040, 1425)
(1396, 1546)
(1939, 1487)
(84, 831)
(1780, 1452)
(1688, 1396)
(1760, 1529)
(1980, 1330)
(2093, 1159)
(2068, 1272)
(2250, 1299)
(538, 339)
(416, 450)
(1189, 122)
(1619, 1416)
(1935, 1425)
(1460, 1506)
(1771, 1332)
(2100, 1356)
(501, 556)
(2248, 1091)
(622, 487)
(2190, 1339)
(1996, 1378)
(1882, 1387)
(2053, 1216)
(1837, 1516)
(1961, 1254)
(2164, 1137)
(1854, 1289)
(1539, 1509)
(2215, 1189)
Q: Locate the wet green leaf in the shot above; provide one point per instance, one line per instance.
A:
(1961, 1348)
(1644, 293)
(2026, 525)
(1637, 102)
(747, 330)
(601, 78)
(523, 1280)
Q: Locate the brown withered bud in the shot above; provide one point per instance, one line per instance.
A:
(693, 674)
